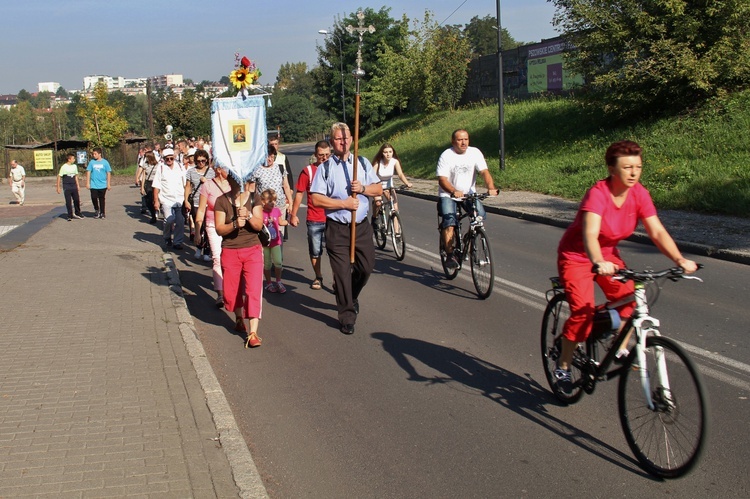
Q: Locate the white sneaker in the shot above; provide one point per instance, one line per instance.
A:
(207, 258)
(197, 254)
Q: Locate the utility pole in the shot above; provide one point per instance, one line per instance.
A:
(500, 103)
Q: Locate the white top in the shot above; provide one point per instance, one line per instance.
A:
(461, 169)
(385, 172)
(17, 173)
(171, 184)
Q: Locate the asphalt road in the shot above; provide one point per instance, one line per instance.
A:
(439, 394)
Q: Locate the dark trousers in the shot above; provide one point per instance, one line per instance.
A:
(349, 278)
(97, 199)
(72, 200)
(148, 202)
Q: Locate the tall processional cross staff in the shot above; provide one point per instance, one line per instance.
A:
(358, 73)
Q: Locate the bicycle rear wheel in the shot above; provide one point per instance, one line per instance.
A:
(482, 266)
(555, 315)
(449, 272)
(380, 228)
(397, 236)
(667, 439)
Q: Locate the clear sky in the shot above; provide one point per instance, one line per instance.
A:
(65, 40)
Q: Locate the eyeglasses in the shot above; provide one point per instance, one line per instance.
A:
(201, 161)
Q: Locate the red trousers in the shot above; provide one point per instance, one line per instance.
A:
(578, 280)
(243, 279)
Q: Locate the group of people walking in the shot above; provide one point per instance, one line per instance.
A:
(240, 228)
(98, 181)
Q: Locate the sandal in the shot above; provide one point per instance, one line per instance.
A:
(317, 283)
(239, 326)
(253, 340)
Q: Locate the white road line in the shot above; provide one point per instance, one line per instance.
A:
(536, 300)
(4, 229)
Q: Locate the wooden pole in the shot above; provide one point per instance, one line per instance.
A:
(358, 73)
(355, 167)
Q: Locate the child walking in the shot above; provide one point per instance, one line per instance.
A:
(272, 257)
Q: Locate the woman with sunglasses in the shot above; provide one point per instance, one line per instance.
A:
(198, 172)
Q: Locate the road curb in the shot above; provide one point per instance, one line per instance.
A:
(244, 471)
(637, 237)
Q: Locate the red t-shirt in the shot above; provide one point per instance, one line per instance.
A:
(314, 214)
(617, 223)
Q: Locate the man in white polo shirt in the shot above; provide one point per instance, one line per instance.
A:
(169, 194)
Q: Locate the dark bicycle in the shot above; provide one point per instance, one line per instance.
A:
(386, 221)
(662, 404)
(472, 245)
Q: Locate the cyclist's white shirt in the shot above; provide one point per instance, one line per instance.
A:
(461, 169)
(386, 172)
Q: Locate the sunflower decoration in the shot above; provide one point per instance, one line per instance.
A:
(245, 74)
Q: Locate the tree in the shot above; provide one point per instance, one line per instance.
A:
(103, 124)
(61, 92)
(190, 116)
(134, 110)
(294, 77)
(641, 57)
(327, 78)
(482, 36)
(297, 117)
(23, 95)
(428, 74)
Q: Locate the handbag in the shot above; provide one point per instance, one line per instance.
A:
(264, 235)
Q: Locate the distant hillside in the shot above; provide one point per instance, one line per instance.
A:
(697, 162)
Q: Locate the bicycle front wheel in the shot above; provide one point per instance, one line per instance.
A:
(482, 266)
(397, 236)
(379, 229)
(663, 409)
(555, 315)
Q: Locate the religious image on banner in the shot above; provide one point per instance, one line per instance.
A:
(238, 125)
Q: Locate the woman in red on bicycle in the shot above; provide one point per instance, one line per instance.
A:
(609, 213)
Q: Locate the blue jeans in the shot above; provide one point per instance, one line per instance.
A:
(316, 237)
(448, 210)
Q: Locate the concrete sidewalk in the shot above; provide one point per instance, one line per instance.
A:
(105, 390)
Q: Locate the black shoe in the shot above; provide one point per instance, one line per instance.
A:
(347, 328)
(177, 246)
(69, 219)
(102, 216)
(152, 221)
(168, 242)
(97, 215)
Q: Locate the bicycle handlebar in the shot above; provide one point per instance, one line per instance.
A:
(672, 273)
(472, 196)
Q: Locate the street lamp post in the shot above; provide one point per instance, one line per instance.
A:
(341, 61)
(500, 103)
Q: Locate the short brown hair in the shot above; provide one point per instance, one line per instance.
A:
(620, 149)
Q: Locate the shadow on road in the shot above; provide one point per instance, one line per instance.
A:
(522, 395)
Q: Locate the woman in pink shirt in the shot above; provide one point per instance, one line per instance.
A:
(209, 192)
(588, 253)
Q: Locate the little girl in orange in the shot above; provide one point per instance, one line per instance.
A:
(272, 256)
